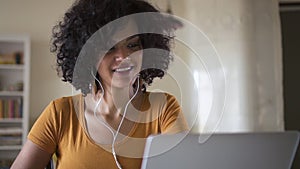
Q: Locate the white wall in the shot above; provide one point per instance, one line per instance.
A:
(36, 18)
(246, 34)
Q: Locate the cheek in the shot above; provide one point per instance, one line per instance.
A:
(104, 63)
(102, 57)
(139, 57)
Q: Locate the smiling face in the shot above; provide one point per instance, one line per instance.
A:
(123, 61)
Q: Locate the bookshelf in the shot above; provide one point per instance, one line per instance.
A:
(14, 95)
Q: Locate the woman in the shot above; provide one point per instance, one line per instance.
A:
(105, 126)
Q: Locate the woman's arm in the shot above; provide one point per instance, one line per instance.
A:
(31, 157)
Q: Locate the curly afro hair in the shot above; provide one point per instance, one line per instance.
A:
(85, 17)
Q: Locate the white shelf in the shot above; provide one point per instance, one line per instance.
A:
(12, 66)
(13, 131)
(11, 93)
(11, 120)
(12, 147)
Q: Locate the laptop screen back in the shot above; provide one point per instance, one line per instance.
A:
(226, 151)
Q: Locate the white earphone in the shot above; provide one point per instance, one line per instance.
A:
(124, 114)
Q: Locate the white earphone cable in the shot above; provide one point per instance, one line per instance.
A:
(119, 126)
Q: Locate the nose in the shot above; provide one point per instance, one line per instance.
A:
(121, 54)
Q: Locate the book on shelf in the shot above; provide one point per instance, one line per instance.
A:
(10, 136)
(10, 108)
(11, 58)
(10, 140)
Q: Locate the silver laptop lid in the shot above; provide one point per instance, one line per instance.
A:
(221, 151)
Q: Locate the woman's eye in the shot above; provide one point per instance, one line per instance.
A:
(134, 46)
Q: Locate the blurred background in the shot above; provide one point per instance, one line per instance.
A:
(257, 44)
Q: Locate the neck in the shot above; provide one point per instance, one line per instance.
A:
(114, 101)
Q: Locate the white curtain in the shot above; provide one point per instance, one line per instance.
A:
(247, 37)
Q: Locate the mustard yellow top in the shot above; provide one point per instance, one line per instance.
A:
(61, 130)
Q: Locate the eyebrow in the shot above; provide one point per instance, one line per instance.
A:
(127, 39)
(132, 37)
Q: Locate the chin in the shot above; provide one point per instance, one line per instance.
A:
(124, 83)
(123, 80)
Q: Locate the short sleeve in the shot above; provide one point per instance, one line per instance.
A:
(44, 132)
(172, 119)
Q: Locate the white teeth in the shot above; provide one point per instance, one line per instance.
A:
(123, 69)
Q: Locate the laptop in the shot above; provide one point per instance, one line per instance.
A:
(272, 150)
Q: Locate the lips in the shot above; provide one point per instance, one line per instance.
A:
(123, 69)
